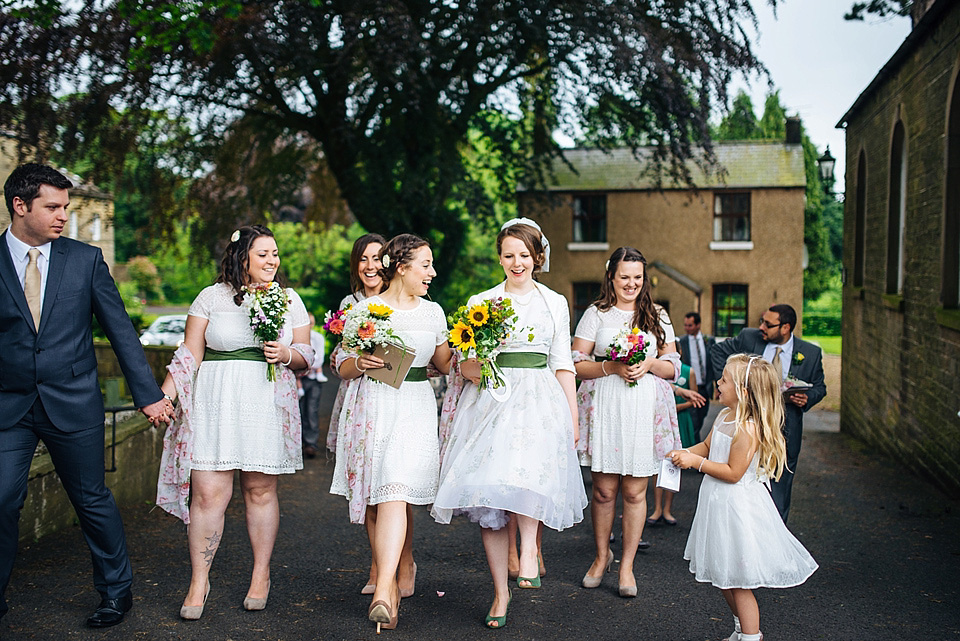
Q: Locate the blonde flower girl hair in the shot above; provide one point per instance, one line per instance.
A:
(760, 401)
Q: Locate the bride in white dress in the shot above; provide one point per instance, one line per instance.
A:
(517, 456)
(392, 459)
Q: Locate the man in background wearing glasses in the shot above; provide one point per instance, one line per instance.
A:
(797, 360)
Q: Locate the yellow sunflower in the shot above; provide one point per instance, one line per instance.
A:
(462, 336)
(478, 315)
(379, 310)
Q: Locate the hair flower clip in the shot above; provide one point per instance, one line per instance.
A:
(385, 261)
(235, 236)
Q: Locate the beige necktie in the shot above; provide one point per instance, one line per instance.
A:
(777, 364)
(31, 286)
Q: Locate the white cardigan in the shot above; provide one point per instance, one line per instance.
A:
(560, 356)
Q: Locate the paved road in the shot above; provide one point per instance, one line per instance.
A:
(886, 542)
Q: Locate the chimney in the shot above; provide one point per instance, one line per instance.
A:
(793, 130)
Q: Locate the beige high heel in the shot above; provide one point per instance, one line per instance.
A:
(406, 594)
(628, 591)
(194, 612)
(249, 603)
(591, 582)
(380, 614)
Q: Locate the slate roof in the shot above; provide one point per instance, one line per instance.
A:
(747, 164)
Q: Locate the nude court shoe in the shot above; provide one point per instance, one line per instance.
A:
(591, 582)
(249, 603)
(194, 612)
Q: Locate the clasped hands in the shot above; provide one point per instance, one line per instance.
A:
(629, 373)
(159, 412)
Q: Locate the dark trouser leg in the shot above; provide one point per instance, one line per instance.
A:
(78, 459)
(781, 490)
(310, 411)
(700, 413)
(17, 445)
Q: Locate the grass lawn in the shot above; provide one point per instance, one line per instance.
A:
(829, 344)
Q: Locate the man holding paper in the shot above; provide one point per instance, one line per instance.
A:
(801, 368)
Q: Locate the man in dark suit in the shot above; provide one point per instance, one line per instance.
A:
(694, 351)
(775, 342)
(51, 286)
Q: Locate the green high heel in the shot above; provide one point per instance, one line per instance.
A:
(534, 582)
(500, 621)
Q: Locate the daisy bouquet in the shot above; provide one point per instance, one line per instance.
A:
(629, 346)
(480, 331)
(267, 304)
(366, 326)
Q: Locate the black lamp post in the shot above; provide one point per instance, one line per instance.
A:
(826, 164)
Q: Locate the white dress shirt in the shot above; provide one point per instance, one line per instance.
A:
(786, 355)
(318, 343)
(695, 365)
(18, 253)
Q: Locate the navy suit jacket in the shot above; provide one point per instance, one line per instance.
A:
(809, 369)
(57, 361)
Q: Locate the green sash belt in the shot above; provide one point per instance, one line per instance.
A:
(416, 374)
(243, 354)
(522, 360)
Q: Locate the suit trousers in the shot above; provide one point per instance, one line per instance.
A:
(699, 414)
(310, 411)
(78, 458)
(793, 433)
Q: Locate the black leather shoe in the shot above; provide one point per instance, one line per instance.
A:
(110, 612)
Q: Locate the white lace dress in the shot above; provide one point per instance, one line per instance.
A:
(235, 419)
(405, 461)
(737, 539)
(622, 440)
(517, 455)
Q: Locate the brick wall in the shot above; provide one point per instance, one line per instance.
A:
(901, 367)
(676, 227)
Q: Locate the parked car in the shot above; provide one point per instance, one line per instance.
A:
(166, 330)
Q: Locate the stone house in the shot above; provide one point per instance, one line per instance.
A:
(901, 317)
(729, 249)
(91, 209)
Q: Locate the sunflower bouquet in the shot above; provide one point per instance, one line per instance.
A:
(480, 331)
(629, 346)
(266, 305)
(366, 326)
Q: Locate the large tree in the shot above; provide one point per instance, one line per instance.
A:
(388, 88)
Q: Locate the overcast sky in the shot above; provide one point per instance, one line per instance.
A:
(821, 63)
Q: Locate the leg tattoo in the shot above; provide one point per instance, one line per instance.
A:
(213, 544)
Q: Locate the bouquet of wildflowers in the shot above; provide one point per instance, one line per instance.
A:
(480, 332)
(267, 303)
(333, 321)
(365, 326)
(629, 346)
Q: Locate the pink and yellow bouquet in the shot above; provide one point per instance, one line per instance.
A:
(333, 321)
(629, 346)
(267, 304)
(367, 325)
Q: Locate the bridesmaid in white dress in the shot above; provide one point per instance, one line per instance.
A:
(396, 462)
(622, 454)
(237, 423)
(365, 282)
(517, 456)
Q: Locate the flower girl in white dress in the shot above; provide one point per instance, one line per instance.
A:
(738, 541)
